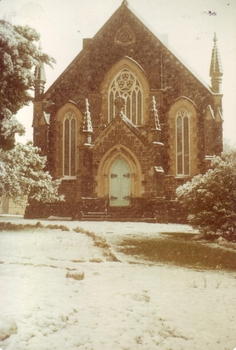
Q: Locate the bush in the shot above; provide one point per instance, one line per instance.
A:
(210, 199)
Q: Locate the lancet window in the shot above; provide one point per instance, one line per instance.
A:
(183, 144)
(69, 144)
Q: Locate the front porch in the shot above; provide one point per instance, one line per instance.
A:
(97, 209)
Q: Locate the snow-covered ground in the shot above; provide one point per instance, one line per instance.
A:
(126, 304)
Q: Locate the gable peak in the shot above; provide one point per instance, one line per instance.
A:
(124, 3)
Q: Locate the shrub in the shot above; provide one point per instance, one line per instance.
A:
(210, 199)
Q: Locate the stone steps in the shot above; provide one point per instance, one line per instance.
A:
(110, 216)
(96, 216)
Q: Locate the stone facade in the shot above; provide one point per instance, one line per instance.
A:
(166, 132)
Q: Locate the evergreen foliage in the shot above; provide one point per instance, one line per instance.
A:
(19, 55)
(22, 173)
(21, 166)
(210, 199)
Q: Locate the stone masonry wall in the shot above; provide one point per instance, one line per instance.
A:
(168, 80)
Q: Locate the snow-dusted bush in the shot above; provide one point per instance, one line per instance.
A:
(210, 199)
(19, 54)
(22, 173)
(21, 166)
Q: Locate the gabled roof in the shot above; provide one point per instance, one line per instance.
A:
(127, 123)
(170, 49)
(126, 7)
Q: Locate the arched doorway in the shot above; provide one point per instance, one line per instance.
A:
(119, 184)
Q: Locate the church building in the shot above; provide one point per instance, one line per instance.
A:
(125, 124)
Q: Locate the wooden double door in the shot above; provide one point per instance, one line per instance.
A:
(119, 184)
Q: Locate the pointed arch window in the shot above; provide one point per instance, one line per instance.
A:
(183, 144)
(126, 84)
(69, 144)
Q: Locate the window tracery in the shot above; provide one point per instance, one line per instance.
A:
(125, 36)
(127, 85)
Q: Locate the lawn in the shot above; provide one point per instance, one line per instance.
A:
(181, 250)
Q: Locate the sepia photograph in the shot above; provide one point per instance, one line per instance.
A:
(117, 174)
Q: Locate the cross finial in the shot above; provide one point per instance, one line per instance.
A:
(125, 3)
(215, 38)
(120, 104)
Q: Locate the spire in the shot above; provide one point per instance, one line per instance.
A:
(216, 70)
(40, 72)
(87, 123)
(40, 76)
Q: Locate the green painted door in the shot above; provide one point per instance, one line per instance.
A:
(120, 184)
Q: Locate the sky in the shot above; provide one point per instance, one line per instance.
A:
(189, 24)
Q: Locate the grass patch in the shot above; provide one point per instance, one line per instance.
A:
(76, 275)
(180, 251)
(178, 235)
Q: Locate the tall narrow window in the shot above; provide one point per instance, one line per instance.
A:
(69, 151)
(126, 84)
(182, 140)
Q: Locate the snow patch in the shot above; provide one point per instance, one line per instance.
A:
(116, 305)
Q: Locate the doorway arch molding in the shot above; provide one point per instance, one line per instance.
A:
(102, 178)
